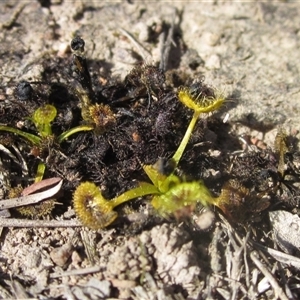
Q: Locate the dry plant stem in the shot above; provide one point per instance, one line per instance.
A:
(89, 246)
(285, 258)
(234, 270)
(237, 267)
(84, 271)
(234, 259)
(260, 287)
(142, 51)
(4, 292)
(38, 223)
(14, 17)
(22, 160)
(246, 267)
(224, 293)
(18, 289)
(279, 293)
(4, 172)
(233, 282)
(8, 153)
(284, 280)
(245, 254)
(166, 45)
(247, 270)
(280, 256)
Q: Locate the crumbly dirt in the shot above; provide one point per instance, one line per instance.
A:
(250, 52)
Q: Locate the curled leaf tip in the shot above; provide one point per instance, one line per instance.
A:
(93, 210)
(200, 98)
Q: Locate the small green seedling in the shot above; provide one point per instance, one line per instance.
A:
(42, 119)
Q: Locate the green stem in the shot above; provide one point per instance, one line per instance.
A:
(40, 172)
(35, 140)
(142, 190)
(44, 129)
(71, 131)
(184, 141)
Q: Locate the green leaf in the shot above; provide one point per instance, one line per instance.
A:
(71, 131)
(35, 140)
(42, 118)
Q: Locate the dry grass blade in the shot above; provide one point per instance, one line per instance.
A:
(235, 267)
(8, 153)
(15, 15)
(282, 257)
(22, 161)
(18, 290)
(31, 199)
(38, 223)
(89, 246)
(4, 166)
(285, 281)
(279, 293)
(142, 51)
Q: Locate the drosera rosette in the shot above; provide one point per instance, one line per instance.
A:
(258, 181)
(96, 212)
(41, 142)
(202, 100)
(171, 196)
(175, 196)
(42, 119)
(98, 117)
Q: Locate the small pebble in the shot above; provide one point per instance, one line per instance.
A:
(61, 255)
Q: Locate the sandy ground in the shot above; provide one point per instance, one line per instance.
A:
(250, 51)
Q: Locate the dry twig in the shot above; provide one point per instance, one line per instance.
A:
(10, 23)
(38, 223)
(279, 293)
(89, 270)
